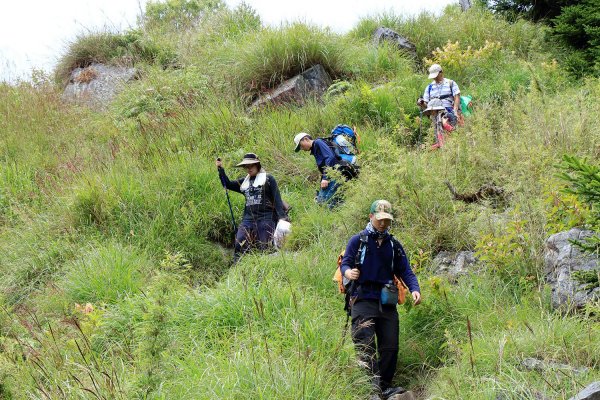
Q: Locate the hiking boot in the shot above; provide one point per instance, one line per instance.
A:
(389, 392)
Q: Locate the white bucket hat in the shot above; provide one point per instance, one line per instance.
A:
(433, 105)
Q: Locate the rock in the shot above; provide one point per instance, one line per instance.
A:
(465, 4)
(527, 395)
(311, 83)
(393, 37)
(563, 261)
(591, 392)
(535, 364)
(454, 264)
(97, 84)
(404, 396)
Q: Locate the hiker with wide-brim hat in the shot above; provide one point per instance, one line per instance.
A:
(263, 209)
(371, 262)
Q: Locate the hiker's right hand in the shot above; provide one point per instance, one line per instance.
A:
(218, 163)
(324, 184)
(352, 274)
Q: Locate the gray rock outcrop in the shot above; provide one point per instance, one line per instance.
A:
(97, 84)
(591, 392)
(309, 84)
(386, 34)
(565, 263)
(454, 264)
(465, 4)
(535, 364)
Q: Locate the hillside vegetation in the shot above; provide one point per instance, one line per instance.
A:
(124, 210)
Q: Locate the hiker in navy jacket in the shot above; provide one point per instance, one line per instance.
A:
(324, 157)
(264, 207)
(375, 325)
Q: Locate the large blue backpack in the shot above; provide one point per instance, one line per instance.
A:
(344, 142)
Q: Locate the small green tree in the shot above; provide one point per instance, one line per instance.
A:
(578, 27)
(178, 14)
(584, 182)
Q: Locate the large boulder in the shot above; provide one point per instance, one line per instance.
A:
(591, 392)
(311, 83)
(386, 34)
(565, 264)
(96, 85)
(454, 264)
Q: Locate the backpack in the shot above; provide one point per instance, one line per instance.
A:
(344, 285)
(344, 143)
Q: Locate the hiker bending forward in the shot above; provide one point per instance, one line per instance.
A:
(375, 325)
(264, 207)
(325, 158)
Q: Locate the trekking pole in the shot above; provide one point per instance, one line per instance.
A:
(420, 122)
(228, 201)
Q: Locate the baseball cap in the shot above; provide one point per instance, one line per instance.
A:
(381, 209)
(298, 138)
(434, 70)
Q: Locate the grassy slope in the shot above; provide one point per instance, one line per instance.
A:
(124, 210)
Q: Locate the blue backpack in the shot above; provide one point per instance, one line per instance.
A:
(344, 142)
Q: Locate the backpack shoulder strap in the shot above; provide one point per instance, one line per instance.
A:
(429, 90)
(452, 88)
(397, 249)
(362, 249)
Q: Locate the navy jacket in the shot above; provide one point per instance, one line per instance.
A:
(324, 156)
(376, 269)
(263, 203)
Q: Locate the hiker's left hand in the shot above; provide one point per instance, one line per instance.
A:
(416, 297)
(324, 184)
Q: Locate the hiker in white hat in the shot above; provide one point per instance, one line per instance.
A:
(443, 89)
(326, 159)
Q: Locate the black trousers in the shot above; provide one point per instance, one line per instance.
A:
(375, 336)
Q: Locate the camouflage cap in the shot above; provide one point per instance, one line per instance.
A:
(381, 209)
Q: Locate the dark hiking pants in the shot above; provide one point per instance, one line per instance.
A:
(253, 234)
(375, 335)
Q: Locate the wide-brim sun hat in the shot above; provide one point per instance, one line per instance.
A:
(381, 209)
(249, 159)
(434, 71)
(298, 138)
(434, 105)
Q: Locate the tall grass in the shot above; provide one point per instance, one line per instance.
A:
(125, 210)
(129, 48)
